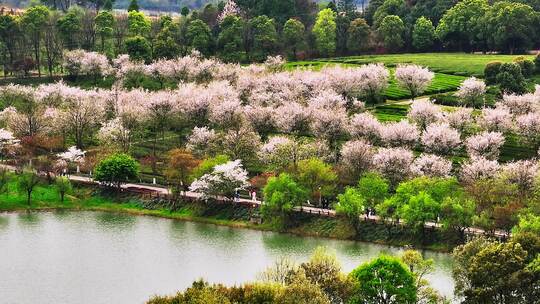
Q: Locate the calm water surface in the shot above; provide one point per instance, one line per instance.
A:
(95, 258)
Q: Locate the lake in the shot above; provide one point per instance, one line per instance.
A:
(99, 257)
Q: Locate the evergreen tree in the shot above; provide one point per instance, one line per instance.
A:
(133, 6)
(108, 5)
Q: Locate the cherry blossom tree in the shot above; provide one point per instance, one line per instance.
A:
(81, 114)
(423, 113)
(95, 65)
(393, 163)
(368, 81)
(413, 78)
(224, 180)
(486, 144)
(261, 118)
(73, 61)
(399, 134)
(242, 143)
(356, 157)
(202, 141)
(292, 117)
(498, 119)
(459, 119)
(226, 114)
(7, 140)
(72, 155)
(520, 104)
(471, 92)
(440, 138)
(528, 126)
(477, 168)
(230, 9)
(279, 152)
(274, 63)
(431, 165)
(366, 126)
(522, 173)
(114, 133)
(329, 124)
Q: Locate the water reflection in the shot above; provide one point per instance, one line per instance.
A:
(115, 221)
(51, 255)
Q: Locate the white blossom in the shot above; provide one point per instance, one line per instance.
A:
(225, 180)
(432, 166)
(522, 173)
(497, 119)
(201, 140)
(72, 155)
(393, 163)
(414, 78)
(366, 126)
(423, 113)
(440, 138)
(471, 91)
(485, 144)
(400, 134)
(477, 168)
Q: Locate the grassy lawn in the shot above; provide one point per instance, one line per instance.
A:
(448, 63)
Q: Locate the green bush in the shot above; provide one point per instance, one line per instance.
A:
(491, 70)
(527, 66)
(510, 78)
(537, 64)
(116, 169)
(445, 100)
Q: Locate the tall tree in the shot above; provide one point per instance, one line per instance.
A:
(460, 25)
(384, 280)
(104, 27)
(358, 36)
(423, 34)
(325, 32)
(231, 39)
(69, 26)
(199, 36)
(264, 37)
(293, 35)
(133, 6)
(392, 31)
(33, 21)
(509, 26)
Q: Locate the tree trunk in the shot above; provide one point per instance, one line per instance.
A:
(29, 196)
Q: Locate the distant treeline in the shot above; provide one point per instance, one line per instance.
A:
(251, 30)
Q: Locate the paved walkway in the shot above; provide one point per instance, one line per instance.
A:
(161, 190)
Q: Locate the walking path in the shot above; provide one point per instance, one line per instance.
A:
(161, 190)
(306, 209)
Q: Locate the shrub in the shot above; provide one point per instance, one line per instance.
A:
(510, 78)
(445, 100)
(537, 63)
(527, 66)
(491, 70)
(116, 169)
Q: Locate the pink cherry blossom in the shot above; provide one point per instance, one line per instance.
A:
(471, 91)
(477, 168)
(485, 144)
(413, 78)
(400, 134)
(393, 163)
(440, 138)
(432, 166)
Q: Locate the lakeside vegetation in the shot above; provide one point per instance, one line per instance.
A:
(205, 104)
